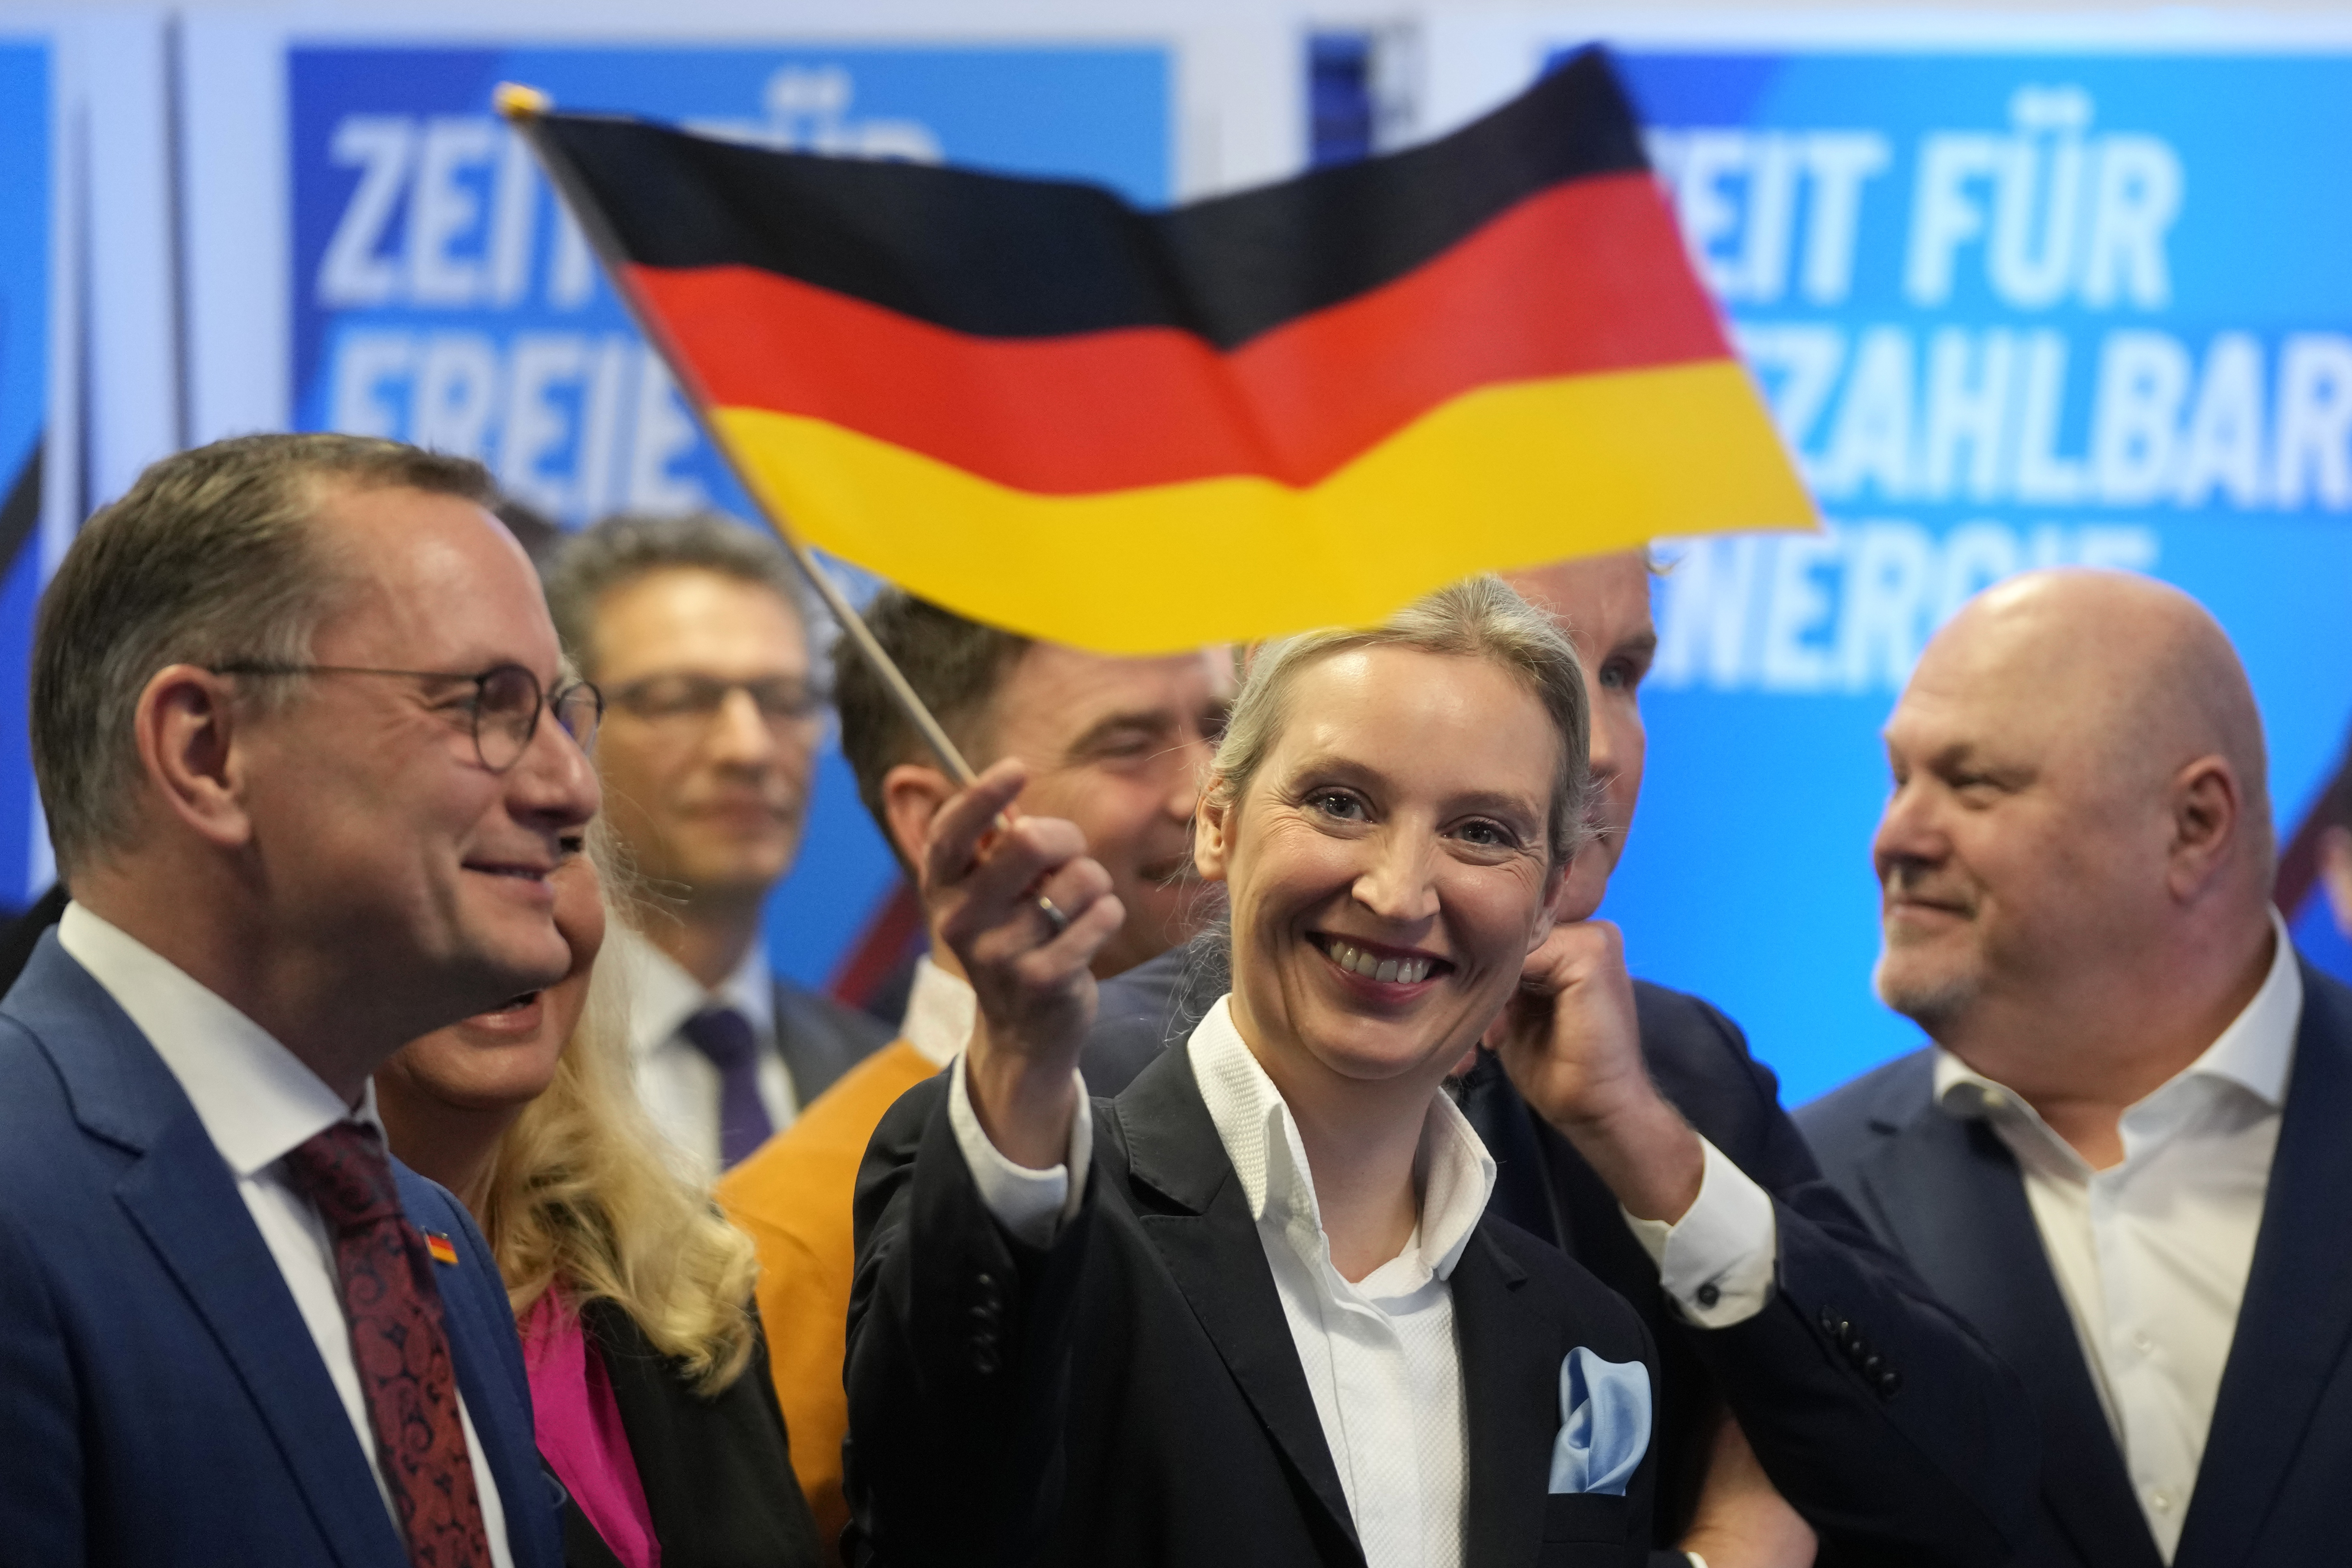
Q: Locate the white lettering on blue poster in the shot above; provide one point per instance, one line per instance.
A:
(26, 200)
(443, 297)
(2009, 310)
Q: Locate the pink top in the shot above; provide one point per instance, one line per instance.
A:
(578, 1424)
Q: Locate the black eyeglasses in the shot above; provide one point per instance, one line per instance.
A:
(507, 702)
(679, 697)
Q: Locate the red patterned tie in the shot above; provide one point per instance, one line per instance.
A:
(385, 1280)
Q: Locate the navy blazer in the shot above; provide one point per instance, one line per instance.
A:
(164, 1402)
(1133, 1396)
(1878, 1413)
(2273, 1488)
(820, 1039)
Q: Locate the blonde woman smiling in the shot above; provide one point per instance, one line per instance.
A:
(651, 1398)
(1252, 1312)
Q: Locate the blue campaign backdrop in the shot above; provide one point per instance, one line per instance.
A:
(442, 298)
(25, 141)
(2009, 309)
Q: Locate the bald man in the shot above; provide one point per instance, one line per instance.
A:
(2125, 1156)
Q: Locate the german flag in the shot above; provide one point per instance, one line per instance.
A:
(1302, 405)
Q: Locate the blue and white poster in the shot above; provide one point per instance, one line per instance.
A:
(440, 296)
(26, 107)
(2009, 309)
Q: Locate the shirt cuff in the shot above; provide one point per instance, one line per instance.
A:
(1031, 1205)
(1715, 1262)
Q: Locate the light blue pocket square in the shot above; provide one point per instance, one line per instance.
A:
(1604, 1424)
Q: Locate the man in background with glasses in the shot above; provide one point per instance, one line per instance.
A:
(310, 759)
(695, 628)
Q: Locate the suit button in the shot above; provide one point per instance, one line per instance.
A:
(985, 1362)
(1829, 1322)
(1871, 1366)
(1708, 1295)
(1890, 1384)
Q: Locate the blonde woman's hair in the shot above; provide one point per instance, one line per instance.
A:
(1480, 617)
(584, 1189)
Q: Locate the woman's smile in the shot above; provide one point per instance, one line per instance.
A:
(1379, 971)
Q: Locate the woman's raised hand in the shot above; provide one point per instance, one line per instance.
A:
(983, 879)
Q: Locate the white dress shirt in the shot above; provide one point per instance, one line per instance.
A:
(940, 1012)
(1717, 1262)
(677, 1083)
(2151, 1254)
(1379, 1354)
(258, 1104)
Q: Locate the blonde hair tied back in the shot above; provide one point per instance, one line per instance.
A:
(1480, 617)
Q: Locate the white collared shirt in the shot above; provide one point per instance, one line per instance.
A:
(1379, 1354)
(258, 1103)
(940, 1012)
(2152, 1254)
(677, 1083)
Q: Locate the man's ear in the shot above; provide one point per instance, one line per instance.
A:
(2208, 808)
(1213, 822)
(186, 728)
(911, 795)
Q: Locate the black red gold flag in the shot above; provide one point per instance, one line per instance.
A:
(1136, 431)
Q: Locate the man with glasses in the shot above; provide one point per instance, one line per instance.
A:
(291, 703)
(694, 627)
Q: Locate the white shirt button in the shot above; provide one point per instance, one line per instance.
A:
(2142, 1343)
(2160, 1500)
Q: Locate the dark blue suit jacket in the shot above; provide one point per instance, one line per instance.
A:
(1924, 1469)
(2276, 1482)
(163, 1404)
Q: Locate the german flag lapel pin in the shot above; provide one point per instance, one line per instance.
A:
(442, 1249)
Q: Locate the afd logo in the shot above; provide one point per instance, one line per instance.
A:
(461, 308)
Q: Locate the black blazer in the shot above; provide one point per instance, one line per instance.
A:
(716, 1472)
(1879, 1415)
(2276, 1486)
(820, 1039)
(1133, 1396)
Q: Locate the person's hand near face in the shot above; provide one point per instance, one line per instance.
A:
(1119, 747)
(983, 878)
(1571, 1040)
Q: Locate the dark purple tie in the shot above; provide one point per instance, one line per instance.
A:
(725, 1036)
(385, 1280)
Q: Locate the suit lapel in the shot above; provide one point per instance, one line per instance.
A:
(1523, 1188)
(1952, 1195)
(183, 1200)
(1210, 1247)
(1510, 1390)
(2292, 1322)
